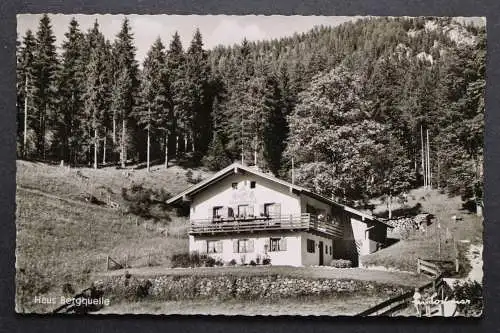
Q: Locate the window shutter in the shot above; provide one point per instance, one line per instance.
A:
(250, 210)
(250, 245)
(266, 244)
(262, 210)
(235, 245)
(218, 247)
(277, 209)
(283, 244)
(204, 246)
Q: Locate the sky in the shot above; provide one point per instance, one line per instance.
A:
(215, 29)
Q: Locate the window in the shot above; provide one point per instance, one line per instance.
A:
(326, 249)
(243, 245)
(252, 184)
(234, 186)
(272, 209)
(311, 246)
(217, 212)
(230, 212)
(277, 244)
(245, 210)
(214, 246)
(330, 250)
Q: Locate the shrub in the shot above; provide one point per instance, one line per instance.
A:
(232, 262)
(193, 259)
(253, 263)
(471, 291)
(341, 263)
(209, 262)
(266, 261)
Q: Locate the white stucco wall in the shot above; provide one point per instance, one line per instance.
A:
(222, 194)
(309, 259)
(290, 257)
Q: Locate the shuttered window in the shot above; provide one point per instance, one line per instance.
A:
(277, 244)
(311, 246)
(243, 246)
(214, 246)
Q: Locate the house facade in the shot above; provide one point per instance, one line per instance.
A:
(245, 215)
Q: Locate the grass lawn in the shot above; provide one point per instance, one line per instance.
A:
(60, 240)
(350, 305)
(443, 230)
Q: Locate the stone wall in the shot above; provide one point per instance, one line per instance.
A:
(266, 287)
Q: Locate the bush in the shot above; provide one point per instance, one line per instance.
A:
(253, 263)
(193, 259)
(471, 291)
(266, 261)
(341, 263)
(209, 262)
(232, 262)
(191, 179)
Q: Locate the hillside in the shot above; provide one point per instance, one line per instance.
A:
(436, 241)
(62, 239)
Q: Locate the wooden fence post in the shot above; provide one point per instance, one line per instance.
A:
(107, 263)
(418, 265)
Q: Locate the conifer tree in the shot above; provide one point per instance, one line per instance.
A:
(71, 84)
(125, 84)
(153, 112)
(45, 66)
(25, 89)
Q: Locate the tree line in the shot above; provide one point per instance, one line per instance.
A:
(371, 107)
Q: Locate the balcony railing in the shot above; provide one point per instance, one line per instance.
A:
(305, 222)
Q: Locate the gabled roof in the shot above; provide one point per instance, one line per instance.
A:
(235, 167)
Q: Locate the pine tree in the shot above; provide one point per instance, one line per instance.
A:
(25, 89)
(71, 84)
(198, 114)
(176, 69)
(125, 84)
(95, 100)
(45, 67)
(153, 111)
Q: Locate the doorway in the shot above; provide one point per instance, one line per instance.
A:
(321, 259)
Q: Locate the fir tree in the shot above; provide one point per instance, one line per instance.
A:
(45, 67)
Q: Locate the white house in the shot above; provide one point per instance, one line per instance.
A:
(244, 214)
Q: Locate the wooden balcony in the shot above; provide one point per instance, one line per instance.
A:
(303, 222)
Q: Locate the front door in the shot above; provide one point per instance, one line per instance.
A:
(320, 253)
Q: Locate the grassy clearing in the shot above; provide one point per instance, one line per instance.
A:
(72, 182)
(403, 254)
(331, 306)
(63, 240)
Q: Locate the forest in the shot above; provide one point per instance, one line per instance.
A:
(372, 107)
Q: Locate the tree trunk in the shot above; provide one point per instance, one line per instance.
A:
(104, 150)
(185, 143)
(123, 144)
(95, 148)
(389, 205)
(25, 117)
(148, 151)
(423, 155)
(177, 146)
(166, 150)
(429, 175)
